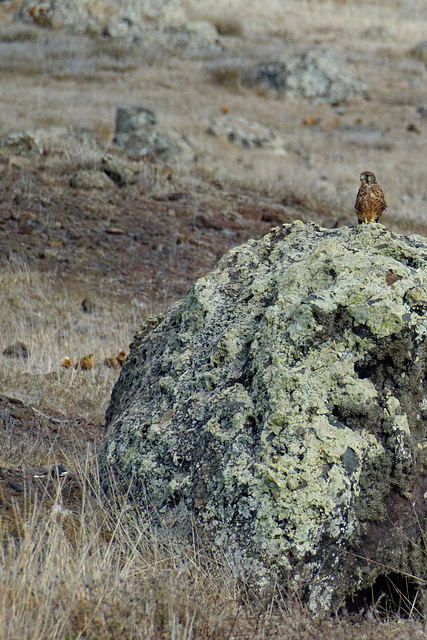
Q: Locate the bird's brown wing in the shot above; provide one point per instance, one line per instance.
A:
(361, 203)
(370, 203)
(378, 201)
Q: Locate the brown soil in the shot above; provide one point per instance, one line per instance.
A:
(121, 240)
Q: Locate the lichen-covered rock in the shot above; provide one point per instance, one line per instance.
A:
(314, 74)
(249, 135)
(197, 38)
(280, 406)
(93, 17)
(26, 143)
(136, 134)
(54, 14)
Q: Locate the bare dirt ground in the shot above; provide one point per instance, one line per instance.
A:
(130, 251)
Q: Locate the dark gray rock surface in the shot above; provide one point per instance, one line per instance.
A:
(281, 407)
(136, 135)
(316, 74)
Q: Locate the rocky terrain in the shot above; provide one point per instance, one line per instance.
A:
(260, 117)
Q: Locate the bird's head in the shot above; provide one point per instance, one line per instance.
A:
(367, 177)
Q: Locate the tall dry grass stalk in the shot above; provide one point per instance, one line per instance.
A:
(98, 570)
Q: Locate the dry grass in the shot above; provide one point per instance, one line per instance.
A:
(95, 569)
(40, 311)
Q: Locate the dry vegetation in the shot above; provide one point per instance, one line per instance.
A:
(72, 565)
(75, 566)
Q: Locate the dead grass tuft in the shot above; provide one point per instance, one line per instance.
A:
(76, 565)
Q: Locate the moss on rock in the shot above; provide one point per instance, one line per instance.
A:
(281, 404)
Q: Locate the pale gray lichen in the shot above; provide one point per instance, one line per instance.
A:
(281, 403)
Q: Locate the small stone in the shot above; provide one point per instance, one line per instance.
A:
(27, 144)
(17, 350)
(90, 180)
(315, 74)
(15, 486)
(117, 170)
(412, 128)
(59, 510)
(88, 305)
(58, 472)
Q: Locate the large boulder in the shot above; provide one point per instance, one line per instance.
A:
(280, 407)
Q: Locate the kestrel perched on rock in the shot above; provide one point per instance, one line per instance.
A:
(370, 201)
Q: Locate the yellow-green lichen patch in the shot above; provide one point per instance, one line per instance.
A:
(281, 407)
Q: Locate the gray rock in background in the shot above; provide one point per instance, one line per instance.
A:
(247, 134)
(54, 14)
(136, 135)
(420, 51)
(316, 74)
(106, 18)
(197, 37)
(280, 407)
(25, 143)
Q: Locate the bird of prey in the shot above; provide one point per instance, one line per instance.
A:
(370, 201)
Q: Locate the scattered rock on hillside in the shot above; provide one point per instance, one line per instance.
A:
(420, 51)
(123, 26)
(17, 350)
(281, 407)
(26, 143)
(61, 140)
(315, 74)
(90, 180)
(249, 135)
(56, 15)
(118, 170)
(88, 305)
(197, 37)
(95, 18)
(136, 135)
(377, 32)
